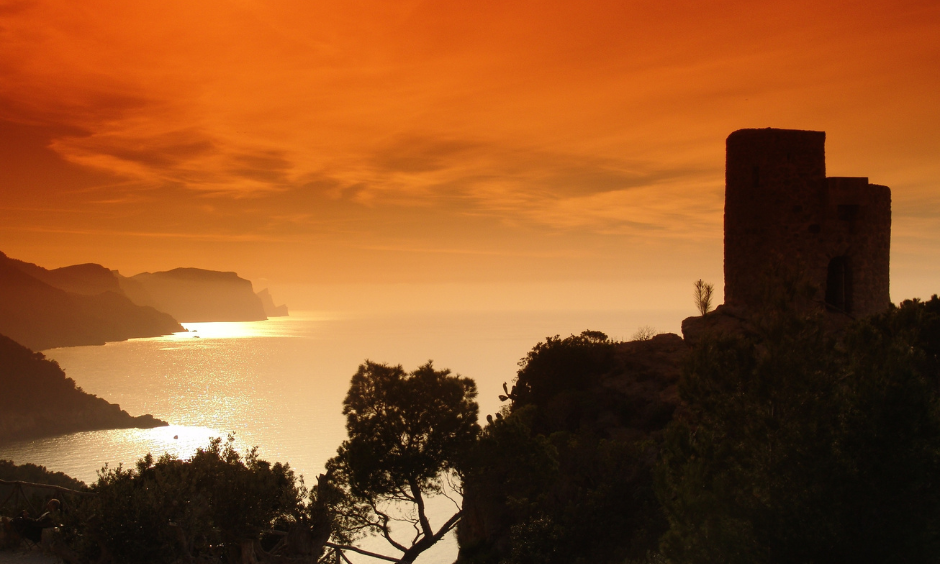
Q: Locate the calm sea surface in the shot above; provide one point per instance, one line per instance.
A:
(279, 384)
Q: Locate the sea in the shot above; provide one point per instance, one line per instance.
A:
(279, 384)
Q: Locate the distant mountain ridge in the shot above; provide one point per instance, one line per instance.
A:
(87, 279)
(39, 315)
(88, 304)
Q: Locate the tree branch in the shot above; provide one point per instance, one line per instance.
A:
(452, 487)
(404, 495)
(384, 527)
(419, 501)
(428, 541)
(450, 524)
(360, 551)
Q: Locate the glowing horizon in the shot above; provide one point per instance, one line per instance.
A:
(423, 143)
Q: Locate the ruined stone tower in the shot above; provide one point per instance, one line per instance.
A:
(781, 210)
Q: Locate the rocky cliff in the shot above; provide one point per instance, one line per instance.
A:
(87, 304)
(195, 295)
(270, 309)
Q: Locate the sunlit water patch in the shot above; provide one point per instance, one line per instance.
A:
(295, 326)
(81, 455)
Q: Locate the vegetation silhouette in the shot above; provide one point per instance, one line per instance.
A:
(218, 505)
(795, 441)
(644, 333)
(37, 474)
(702, 295)
(801, 445)
(564, 473)
(408, 433)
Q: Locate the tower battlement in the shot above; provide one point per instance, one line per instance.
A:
(781, 209)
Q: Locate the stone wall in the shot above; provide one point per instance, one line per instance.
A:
(783, 215)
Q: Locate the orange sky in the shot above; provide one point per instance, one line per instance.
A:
(572, 151)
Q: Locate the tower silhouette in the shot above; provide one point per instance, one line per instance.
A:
(782, 210)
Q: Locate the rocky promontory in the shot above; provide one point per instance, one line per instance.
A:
(91, 414)
(38, 399)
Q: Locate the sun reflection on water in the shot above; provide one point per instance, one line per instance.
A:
(274, 327)
(179, 440)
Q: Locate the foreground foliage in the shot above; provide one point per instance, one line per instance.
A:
(407, 434)
(216, 505)
(561, 476)
(37, 474)
(796, 447)
(568, 497)
(794, 443)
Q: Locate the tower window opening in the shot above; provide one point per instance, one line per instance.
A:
(839, 285)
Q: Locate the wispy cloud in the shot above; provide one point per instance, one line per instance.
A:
(323, 120)
(216, 237)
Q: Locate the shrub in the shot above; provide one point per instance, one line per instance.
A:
(217, 503)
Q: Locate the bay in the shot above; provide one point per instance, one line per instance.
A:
(279, 384)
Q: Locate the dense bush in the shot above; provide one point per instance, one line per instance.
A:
(557, 376)
(551, 480)
(567, 497)
(798, 447)
(219, 503)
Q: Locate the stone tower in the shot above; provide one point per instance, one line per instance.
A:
(781, 210)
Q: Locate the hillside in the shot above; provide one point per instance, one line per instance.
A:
(578, 445)
(42, 316)
(38, 399)
(86, 279)
(36, 474)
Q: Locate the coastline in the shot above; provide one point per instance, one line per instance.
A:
(97, 415)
